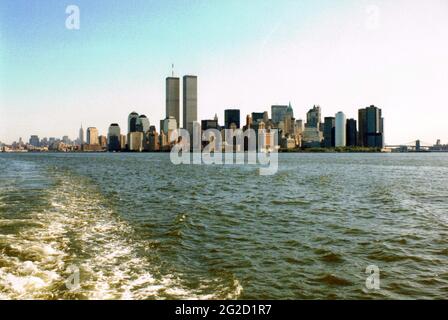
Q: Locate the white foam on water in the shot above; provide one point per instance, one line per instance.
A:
(106, 253)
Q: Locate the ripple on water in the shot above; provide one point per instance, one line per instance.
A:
(333, 280)
(329, 256)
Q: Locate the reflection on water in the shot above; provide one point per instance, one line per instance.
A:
(139, 227)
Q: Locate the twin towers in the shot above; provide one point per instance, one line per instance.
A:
(190, 100)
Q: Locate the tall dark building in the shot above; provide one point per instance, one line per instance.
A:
(113, 137)
(371, 127)
(278, 113)
(329, 132)
(362, 127)
(257, 116)
(132, 122)
(313, 117)
(351, 134)
(209, 124)
(34, 141)
(232, 116)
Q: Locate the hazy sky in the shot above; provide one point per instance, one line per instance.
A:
(247, 54)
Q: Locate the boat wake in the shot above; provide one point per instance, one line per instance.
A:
(79, 230)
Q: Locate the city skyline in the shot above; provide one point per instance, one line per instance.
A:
(337, 57)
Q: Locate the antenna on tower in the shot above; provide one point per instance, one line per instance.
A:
(172, 70)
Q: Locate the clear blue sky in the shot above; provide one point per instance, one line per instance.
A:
(248, 54)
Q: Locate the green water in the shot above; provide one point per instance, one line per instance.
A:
(139, 227)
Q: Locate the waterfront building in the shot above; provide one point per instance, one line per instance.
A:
(288, 143)
(329, 130)
(135, 141)
(278, 113)
(34, 141)
(248, 122)
(288, 124)
(281, 127)
(257, 117)
(81, 136)
(290, 111)
(313, 117)
(312, 137)
(92, 136)
(265, 117)
(340, 130)
(190, 102)
(122, 141)
(142, 124)
(209, 124)
(102, 141)
(172, 99)
(163, 141)
(44, 142)
(298, 127)
(371, 127)
(153, 139)
(352, 133)
(168, 126)
(231, 116)
(298, 132)
(113, 137)
(132, 122)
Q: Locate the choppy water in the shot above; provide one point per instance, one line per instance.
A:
(139, 227)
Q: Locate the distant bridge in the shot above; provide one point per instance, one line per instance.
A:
(416, 145)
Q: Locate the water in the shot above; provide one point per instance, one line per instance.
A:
(138, 227)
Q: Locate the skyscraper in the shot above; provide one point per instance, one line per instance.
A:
(132, 122)
(172, 99)
(142, 124)
(312, 135)
(114, 137)
(313, 117)
(278, 113)
(340, 130)
(190, 101)
(92, 136)
(257, 117)
(352, 134)
(371, 127)
(209, 124)
(102, 141)
(135, 141)
(361, 127)
(232, 116)
(153, 138)
(122, 142)
(81, 136)
(168, 126)
(290, 111)
(329, 129)
(34, 141)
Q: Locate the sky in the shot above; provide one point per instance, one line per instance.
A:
(248, 54)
